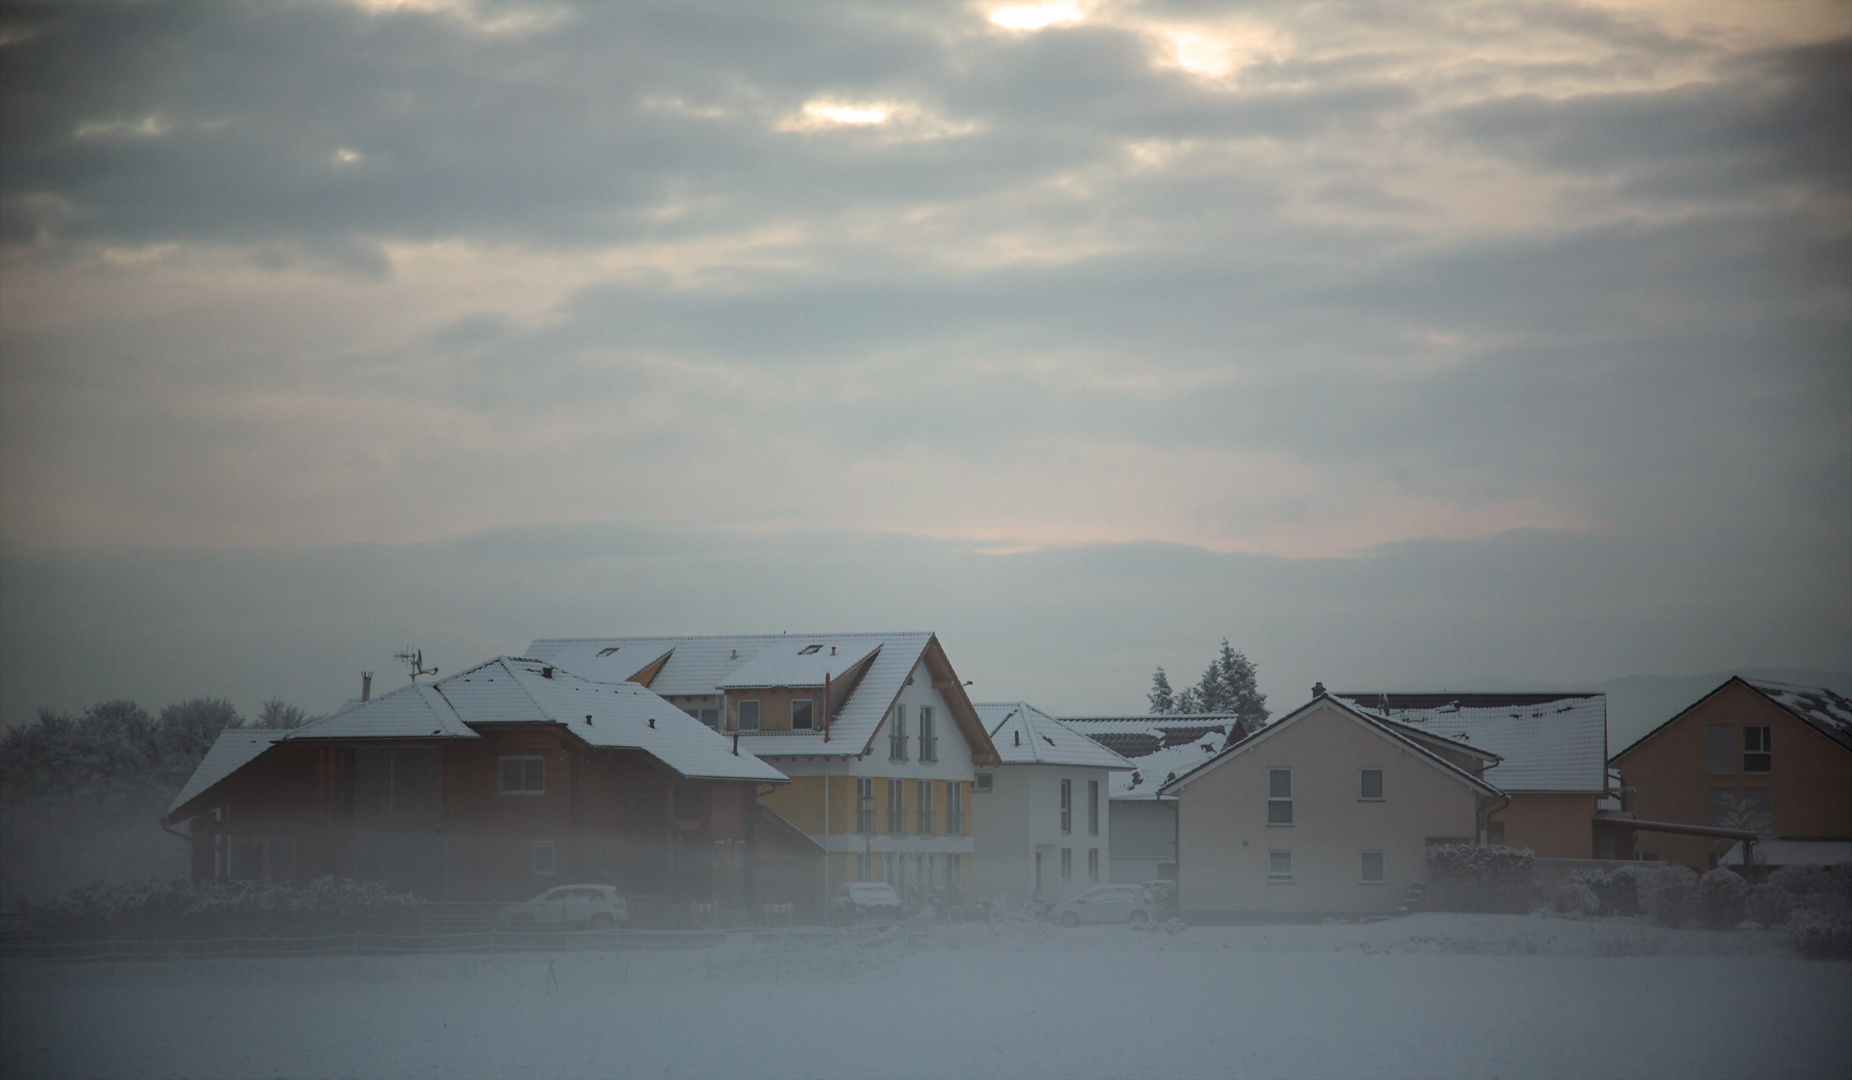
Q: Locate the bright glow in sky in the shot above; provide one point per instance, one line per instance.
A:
(1038, 16)
(847, 114)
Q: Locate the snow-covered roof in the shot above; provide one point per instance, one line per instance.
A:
(1026, 735)
(1137, 736)
(1154, 770)
(413, 711)
(1824, 710)
(1371, 720)
(232, 750)
(1547, 742)
(699, 666)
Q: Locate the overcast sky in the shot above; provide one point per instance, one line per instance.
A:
(1413, 346)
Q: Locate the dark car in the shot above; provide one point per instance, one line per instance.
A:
(860, 901)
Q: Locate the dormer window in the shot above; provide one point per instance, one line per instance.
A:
(810, 650)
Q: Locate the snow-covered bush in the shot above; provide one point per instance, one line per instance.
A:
(1617, 889)
(1722, 899)
(177, 908)
(1668, 893)
(1819, 901)
(1770, 905)
(1820, 935)
(1480, 877)
(1574, 898)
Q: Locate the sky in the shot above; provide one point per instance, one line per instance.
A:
(1407, 346)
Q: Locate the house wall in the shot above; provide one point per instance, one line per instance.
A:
(1810, 778)
(1224, 837)
(1144, 840)
(998, 848)
(1555, 826)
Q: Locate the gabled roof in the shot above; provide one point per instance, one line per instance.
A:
(1824, 710)
(506, 690)
(1548, 742)
(232, 750)
(706, 666)
(1152, 771)
(1025, 735)
(1344, 708)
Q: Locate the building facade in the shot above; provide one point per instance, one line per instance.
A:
(1773, 758)
(875, 731)
(1047, 809)
(1327, 811)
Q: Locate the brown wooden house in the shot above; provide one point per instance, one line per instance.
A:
(495, 784)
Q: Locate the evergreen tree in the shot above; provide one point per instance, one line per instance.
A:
(1227, 686)
(1161, 699)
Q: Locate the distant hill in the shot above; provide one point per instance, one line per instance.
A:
(1639, 703)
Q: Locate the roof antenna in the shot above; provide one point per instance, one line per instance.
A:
(413, 657)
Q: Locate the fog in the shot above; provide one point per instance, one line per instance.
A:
(1428, 348)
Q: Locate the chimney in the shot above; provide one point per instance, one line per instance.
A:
(1318, 689)
(366, 686)
(546, 672)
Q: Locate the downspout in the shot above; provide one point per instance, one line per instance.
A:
(1484, 824)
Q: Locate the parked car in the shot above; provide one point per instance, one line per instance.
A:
(1163, 898)
(600, 907)
(1106, 904)
(859, 901)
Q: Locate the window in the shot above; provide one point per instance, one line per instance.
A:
(982, 782)
(710, 717)
(1757, 756)
(1751, 809)
(810, 650)
(1372, 784)
(897, 735)
(1093, 864)
(544, 857)
(925, 803)
(749, 716)
(954, 809)
(1038, 873)
(1067, 864)
(802, 709)
(929, 740)
(1720, 749)
(1093, 808)
(1279, 796)
(607, 650)
(524, 776)
(1279, 866)
(1758, 813)
(395, 783)
(1067, 806)
(865, 808)
(1373, 868)
(896, 807)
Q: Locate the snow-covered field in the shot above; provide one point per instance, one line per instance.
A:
(1430, 995)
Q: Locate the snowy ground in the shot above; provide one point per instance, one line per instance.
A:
(1431, 995)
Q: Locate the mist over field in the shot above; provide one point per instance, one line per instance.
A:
(1443, 349)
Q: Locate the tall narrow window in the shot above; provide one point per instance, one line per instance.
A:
(545, 859)
(1720, 749)
(1093, 864)
(865, 808)
(1373, 868)
(897, 735)
(1279, 796)
(924, 799)
(802, 710)
(1067, 864)
(1279, 866)
(896, 807)
(1372, 784)
(1757, 755)
(954, 809)
(1093, 808)
(749, 716)
(929, 739)
(1067, 806)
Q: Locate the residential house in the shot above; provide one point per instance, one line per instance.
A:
(875, 730)
(494, 784)
(1768, 757)
(1328, 810)
(1144, 825)
(1552, 761)
(1046, 808)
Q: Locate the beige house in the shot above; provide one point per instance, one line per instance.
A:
(1771, 757)
(1328, 810)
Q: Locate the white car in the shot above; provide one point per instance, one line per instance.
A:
(1106, 904)
(857, 901)
(601, 907)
